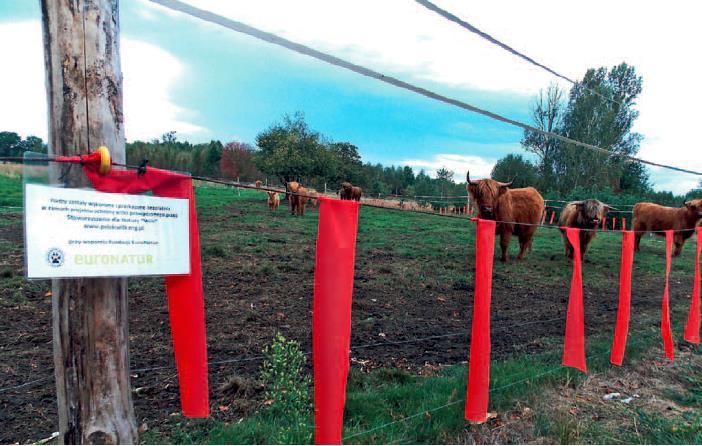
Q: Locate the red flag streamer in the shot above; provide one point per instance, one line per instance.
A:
(574, 345)
(604, 223)
(665, 316)
(553, 214)
(331, 314)
(479, 359)
(186, 305)
(614, 223)
(692, 327)
(622, 329)
(543, 216)
(623, 223)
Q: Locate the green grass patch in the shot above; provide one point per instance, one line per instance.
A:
(389, 405)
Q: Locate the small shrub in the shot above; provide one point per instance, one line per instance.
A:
(288, 390)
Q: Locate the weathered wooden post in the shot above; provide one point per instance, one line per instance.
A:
(84, 91)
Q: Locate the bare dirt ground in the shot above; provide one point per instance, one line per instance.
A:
(256, 287)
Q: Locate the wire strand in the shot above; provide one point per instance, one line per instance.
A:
(366, 204)
(464, 24)
(243, 28)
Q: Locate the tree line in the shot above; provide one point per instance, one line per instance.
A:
(598, 110)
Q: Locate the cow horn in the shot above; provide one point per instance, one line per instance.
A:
(576, 203)
(506, 184)
(468, 178)
(610, 207)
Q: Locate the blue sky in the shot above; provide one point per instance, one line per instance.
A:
(211, 83)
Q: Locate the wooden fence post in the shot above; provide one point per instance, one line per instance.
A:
(84, 93)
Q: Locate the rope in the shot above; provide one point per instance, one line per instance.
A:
(243, 28)
(453, 18)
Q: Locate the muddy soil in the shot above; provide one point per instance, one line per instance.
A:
(250, 297)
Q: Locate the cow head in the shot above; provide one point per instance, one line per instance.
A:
(694, 206)
(486, 194)
(591, 212)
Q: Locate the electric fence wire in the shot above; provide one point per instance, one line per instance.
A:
(464, 24)
(307, 353)
(240, 185)
(257, 33)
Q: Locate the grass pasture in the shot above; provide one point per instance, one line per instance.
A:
(414, 279)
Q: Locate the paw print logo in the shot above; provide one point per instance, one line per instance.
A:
(55, 257)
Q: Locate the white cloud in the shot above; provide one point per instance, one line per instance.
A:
(150, 73)
(460, 164)
(402, 38)
(22, 91)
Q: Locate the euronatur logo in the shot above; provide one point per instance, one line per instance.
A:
(55, 257)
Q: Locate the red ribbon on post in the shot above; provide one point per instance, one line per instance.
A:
(692, 327)
(553, 215)
(622, 329)
(331, 314)
(479, 359)
(574, 345)
(186, 305)
(666, 331)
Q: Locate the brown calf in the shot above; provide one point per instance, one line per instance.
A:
(273, 201)
(297, 202)
(356, 193)
(585, 215)
(654, 217)
(497, 202)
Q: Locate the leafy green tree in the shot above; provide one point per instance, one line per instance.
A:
(212, 157)
(349, 165)
(289, 150)
(10, 144)
(515, 167)
(444, 179)
(600, 111)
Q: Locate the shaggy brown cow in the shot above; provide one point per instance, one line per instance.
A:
(314, 201)
(654, 217)
(297, 202)
(273, 201)
(356, 193)
(258, 183)
(497, 202)
(346, 191)
(585, 215)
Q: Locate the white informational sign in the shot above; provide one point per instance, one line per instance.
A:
(83, 233)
